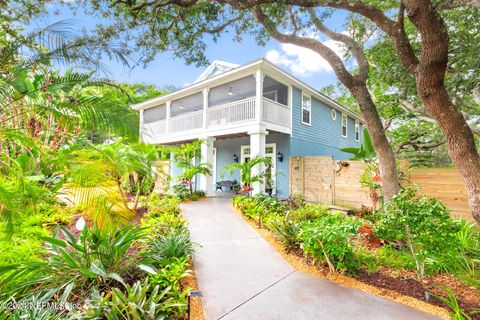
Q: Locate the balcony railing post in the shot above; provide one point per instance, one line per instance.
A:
(259, 76)
(205, 106)
(167, 117)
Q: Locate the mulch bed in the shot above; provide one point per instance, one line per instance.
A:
(404, 282)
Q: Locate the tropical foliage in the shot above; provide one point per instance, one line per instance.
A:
(71, 180)
(186, 157)
(247, 174)
(411, 235)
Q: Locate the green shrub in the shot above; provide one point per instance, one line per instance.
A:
(165, 224)
(24, 243)
(308, 212)
(422, 226)
(171, 275)
(328, 239)
(395, 258)
(165, 249)
(75, 264)
(138, 301)
(285, 230)
(158, 206)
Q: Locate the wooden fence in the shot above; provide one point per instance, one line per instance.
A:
(321, 179)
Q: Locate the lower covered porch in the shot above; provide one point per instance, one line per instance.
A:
(221, 151)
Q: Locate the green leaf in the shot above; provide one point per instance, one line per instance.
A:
(98, 268)
(68, 259)
(148, 269)
(55, 241)
(117, 277)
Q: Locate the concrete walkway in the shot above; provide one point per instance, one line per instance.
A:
(242, 277)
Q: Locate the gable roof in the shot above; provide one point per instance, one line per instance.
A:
(216, 79)
(215, 68)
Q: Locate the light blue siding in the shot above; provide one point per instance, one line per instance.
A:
(324, 135)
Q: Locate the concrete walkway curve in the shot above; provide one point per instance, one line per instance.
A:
(242, 277)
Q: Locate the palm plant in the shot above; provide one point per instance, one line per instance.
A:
(147, 157)
(247, 177)
(184, 156)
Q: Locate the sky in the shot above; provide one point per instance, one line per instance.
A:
(166, 70)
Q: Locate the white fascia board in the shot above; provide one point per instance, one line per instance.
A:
(210, 82)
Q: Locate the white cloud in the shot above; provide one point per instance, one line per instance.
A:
(302, 61)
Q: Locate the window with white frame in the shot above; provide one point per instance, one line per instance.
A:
(357, 130)
(306, 110)
(344, 125)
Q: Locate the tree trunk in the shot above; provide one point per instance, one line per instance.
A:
(139, 191)
(461, 144)
(386, 157)
(430, 82)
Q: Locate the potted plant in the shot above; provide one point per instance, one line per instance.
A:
(269, 182)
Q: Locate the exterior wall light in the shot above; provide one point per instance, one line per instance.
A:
(235, 158)
(279, 156)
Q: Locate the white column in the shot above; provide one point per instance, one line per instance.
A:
(206, 155)
(290, 105)
(141, 126)
(259, 76)
(257, 148)
(167, 116)
(205, 106)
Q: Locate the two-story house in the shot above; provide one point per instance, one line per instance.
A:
(249, 110)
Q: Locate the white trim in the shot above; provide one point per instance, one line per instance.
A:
(204, 75)
(140, 132)
(242, 152)
(333, 114)
(241, 72)
(310, 111)
(275, 92)
(346, 125)
(357, 130)
(290, 105)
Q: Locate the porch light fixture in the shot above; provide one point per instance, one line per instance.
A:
(235, 158)
(279, 156)
(230, 93)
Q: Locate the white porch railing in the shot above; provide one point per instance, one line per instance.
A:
(185, 122)
(217, 117)
(276, 113)
(232, 112)
(155, 128)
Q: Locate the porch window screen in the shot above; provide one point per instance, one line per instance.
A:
(344, 125)
(154, 114)
(306, 110)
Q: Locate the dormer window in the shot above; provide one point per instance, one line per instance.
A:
(306, 110)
